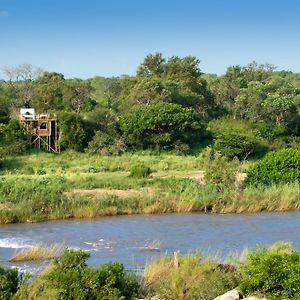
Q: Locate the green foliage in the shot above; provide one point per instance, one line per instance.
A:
(277, 167)
(271, 131)
(72, 133)
(161, 126)
(70, 278)
(140, 171)
(177, 80)
(236, 145)
(272, 272)
(235, 138)
(4, 104)
(77, 95)
(9, 281)
(12, 138)
(107, 144)
(220, 172)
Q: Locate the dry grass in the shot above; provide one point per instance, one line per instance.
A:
(38, 252)
(129, 193)
(158, 269)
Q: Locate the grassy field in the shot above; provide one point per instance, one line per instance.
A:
(44, 186)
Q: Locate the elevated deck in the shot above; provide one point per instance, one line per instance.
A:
(42, 129)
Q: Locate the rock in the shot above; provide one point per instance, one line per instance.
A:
(231, 295)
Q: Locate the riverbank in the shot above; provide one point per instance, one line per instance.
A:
(32, 198)
(271, 272)
(42, 187)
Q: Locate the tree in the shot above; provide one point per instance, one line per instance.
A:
(78, 94)
(153, 65)
(72, 134)
(248, 104)
(176, 80)
(5, 102)
(149, 91)
(161, 125)
(49, 92)
(12, 138)
(20, 80)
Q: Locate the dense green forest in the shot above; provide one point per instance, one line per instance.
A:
(170, 104)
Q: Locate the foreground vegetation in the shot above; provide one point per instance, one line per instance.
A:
(271, 272)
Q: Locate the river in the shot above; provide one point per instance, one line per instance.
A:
(127, 238)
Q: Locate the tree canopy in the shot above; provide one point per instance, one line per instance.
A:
(169, 102)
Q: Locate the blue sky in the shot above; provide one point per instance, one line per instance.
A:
(83, 38)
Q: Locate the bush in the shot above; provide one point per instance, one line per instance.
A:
(273, 272)
(220, 172)
(12, 138)
(271, 131)
(161, 126)
(9, 281)
(235, 138)
(70, 278)
(140, 171)
(236, 145)
(277, 167)
(107, 144)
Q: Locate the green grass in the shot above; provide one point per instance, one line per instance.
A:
(74, 162)
(45, 186)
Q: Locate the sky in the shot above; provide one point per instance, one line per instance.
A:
(84, 38)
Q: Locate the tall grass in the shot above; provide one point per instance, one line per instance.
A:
(193, 277)
(45, 186)
(38, 252)
(284, 197)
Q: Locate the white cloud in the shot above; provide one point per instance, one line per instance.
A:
(3, 13)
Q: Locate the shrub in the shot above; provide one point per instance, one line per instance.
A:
(236, 145)
(220, 172)
(235, 138)
(273, 272)
(9, 281)
(140, 171)
(271, 131)
(70, 278)
(276, 167)
(107, 144)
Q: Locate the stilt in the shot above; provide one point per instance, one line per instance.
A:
(42, 129)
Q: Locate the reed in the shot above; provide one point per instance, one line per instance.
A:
(187, 277)
(38, 252)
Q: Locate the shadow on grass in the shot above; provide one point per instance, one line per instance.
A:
(10, 164)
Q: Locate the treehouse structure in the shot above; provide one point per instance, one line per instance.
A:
(41, 129)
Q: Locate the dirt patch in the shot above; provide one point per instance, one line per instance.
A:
(111, 192)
